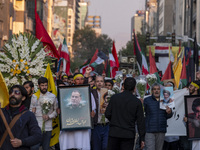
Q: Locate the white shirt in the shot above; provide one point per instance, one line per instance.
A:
(36, 103)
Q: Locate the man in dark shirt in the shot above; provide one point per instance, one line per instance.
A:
(26, 131)
(29, 86)
(123, 110)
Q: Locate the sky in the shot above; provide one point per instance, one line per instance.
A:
(116, 18)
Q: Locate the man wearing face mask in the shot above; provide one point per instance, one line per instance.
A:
(25, 130)
(41, 117)
(156, 120)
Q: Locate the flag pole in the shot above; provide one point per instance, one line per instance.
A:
(6, 124)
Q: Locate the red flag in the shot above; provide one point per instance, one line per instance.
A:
(152, 62)
(42, 34)
(183, 72)
(114, 52)
(168, 72)
(59, 48)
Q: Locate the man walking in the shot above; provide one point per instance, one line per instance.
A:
(51, 99)
(25, 130)
(123, 110)
(156, 120)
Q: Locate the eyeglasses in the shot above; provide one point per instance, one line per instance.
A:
(17, 92)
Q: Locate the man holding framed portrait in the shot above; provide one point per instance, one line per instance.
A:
(76, 101)
(192, 108)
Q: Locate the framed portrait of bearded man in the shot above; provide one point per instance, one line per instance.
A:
(75, 107)
(192, 112)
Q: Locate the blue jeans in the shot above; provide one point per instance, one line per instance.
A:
(100, 137)
(46, 137)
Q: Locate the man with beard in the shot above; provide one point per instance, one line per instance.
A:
(194, 88)
(193, 123)
(49, 99)
(29, 86)
(26, 131)
(156, 120)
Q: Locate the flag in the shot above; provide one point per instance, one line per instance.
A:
(114, 52)
(177, 72)
(42, 35)
(114, 65)
(55, 122)
(161, 51)
(153, 68)
(168, 72)
(98, 58)
(171, 56)
(4, 96)
(196, 54)
(141, 60)
(184, 74)
(66, 59)
(85, 66)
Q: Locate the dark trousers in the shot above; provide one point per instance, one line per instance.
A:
(115, 143)
(171, 145)
(46, 137)
(99, 137)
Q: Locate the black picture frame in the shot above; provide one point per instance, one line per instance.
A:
(193, 129)
(73, 117)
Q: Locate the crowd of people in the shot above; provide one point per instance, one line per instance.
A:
(126, 116)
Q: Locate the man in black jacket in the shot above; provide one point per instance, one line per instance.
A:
(26, 131)
(123, 110)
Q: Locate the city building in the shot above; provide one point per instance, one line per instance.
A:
(83, 13)
(137, 22)
(5, 16)
(18, 16)
(60, 13)
(152, 18)
(95, 23)
(166, 20)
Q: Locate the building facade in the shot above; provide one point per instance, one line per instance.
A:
(95, 23)
(137, 22)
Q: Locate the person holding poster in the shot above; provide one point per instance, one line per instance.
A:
(167, 98)
(156, 120)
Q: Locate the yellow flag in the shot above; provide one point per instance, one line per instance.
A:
(177, 72)
(175, 62)
(4, 96)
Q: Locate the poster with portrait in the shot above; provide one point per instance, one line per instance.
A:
(75, 107)
(103, 98)
(192, 112)
(167, 98)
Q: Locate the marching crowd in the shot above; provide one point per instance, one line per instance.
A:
(130, 123)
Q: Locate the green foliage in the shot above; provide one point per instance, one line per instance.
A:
(128, 50)
(85, 43)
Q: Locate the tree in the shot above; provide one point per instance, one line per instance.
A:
(85, 43)
(128, 50)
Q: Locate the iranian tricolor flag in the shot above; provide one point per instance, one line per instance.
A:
(113, 59)
(65, 55)
(141, 60)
